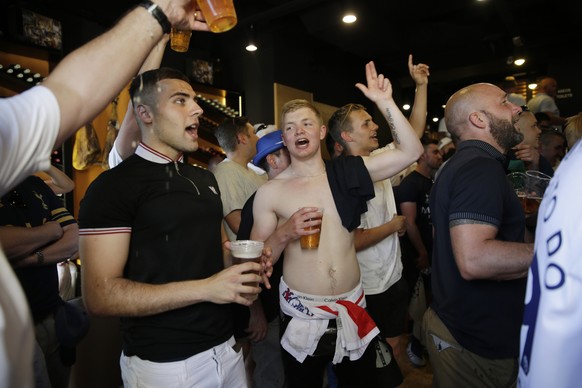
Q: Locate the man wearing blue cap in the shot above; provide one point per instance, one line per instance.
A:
(263, 325)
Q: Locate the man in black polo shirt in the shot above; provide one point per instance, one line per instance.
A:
(479, 261)
(151, 249)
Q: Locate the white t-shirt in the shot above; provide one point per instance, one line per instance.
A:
(114, 158)
(29, 124)
(380, 264)
(551, 334)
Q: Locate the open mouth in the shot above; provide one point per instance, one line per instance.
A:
(192, 128)
(301, 142)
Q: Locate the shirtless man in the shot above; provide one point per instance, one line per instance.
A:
(329, 275)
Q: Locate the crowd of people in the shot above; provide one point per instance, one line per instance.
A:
(154, 232)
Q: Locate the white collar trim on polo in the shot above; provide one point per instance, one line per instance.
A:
(152, 155)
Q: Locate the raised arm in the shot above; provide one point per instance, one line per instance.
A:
(408, 147)
(108, 293)
(86, 80)
(419, 74)
(129, 134)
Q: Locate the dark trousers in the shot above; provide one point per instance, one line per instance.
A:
(361, 373)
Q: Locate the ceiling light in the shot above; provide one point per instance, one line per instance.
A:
(518, 51)
(406, 106)
(251, 45)
(532, 86)
(435, 119)
(349, 18)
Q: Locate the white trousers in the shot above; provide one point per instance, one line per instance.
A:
(218, 367)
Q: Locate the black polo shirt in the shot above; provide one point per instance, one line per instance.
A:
(484, 316)
(174, 213)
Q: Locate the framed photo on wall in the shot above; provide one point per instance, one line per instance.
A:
(41, 30)
(201, 71)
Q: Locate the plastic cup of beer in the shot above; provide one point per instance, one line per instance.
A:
(517, 181)
(180, 40)
(244, 251)
(219, 14)
(311, 241)
(536, 184)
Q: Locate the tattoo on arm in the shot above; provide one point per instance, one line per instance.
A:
(392, 127)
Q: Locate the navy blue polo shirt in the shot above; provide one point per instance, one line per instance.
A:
(484, 316)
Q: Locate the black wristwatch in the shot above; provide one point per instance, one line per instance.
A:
(158, 14)
(39, 257)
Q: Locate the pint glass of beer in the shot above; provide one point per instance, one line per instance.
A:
(247, 250)
(535, 187)
(219, 14)
(311, 241)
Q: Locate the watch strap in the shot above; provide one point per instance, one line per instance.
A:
(39, 257)
(158, 14)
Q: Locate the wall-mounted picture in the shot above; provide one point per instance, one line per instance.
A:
(42, 30)
(201, 71)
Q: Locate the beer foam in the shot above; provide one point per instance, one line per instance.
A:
(247, 255)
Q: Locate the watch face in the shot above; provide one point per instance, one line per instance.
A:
(40, 257)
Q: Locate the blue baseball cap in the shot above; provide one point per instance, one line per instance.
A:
(267, 144)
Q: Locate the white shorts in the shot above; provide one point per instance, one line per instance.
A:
(220, 366)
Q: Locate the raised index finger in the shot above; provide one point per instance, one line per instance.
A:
(371, 73)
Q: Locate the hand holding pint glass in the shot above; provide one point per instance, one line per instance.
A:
(219, 14)
(247, 250)
(311, 241)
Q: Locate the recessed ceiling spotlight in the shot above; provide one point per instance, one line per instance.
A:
(435, 119)
(251, 47)
(349, 18)
(532, 86)
(406, 106)
(519, 61)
